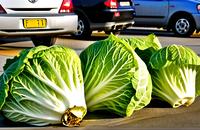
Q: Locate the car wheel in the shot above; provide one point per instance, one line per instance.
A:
(83, 29)
(43, 40)
(183, 26)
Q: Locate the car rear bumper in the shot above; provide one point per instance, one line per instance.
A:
(197, 20)
(110, 15)
(56, 24)
(111, 25)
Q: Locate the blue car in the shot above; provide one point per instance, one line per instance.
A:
(180, 16)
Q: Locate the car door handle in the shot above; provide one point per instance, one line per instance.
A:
(137, 4)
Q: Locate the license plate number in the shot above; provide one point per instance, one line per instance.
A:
(35, 23)
(124, 3)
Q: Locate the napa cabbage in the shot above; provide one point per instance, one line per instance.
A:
(42, 86)
(115, 77)
(175, 75)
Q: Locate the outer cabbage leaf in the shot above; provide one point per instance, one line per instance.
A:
(115, 77)
(144, 47)
(174, 71)
(44, 85)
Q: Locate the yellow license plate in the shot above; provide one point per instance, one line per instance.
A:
(35, 23)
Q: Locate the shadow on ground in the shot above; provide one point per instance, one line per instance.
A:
(10, 40)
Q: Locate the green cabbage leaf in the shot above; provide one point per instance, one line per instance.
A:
(144, 46)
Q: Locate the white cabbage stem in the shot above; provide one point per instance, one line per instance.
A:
(177, 88)
(73, 116)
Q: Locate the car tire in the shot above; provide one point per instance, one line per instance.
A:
(43, 40)
(83, 29)
(183, 26)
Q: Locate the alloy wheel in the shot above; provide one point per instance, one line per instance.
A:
(182, 26)
(80, 28)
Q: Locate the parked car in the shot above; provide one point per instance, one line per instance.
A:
(103, 15)
(180, 16)
(42, 20)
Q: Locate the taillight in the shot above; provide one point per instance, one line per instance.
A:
(66, 7)
(2, 10)
(198, 7)
(111, 3)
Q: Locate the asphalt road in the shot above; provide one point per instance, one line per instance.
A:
(10, 47)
